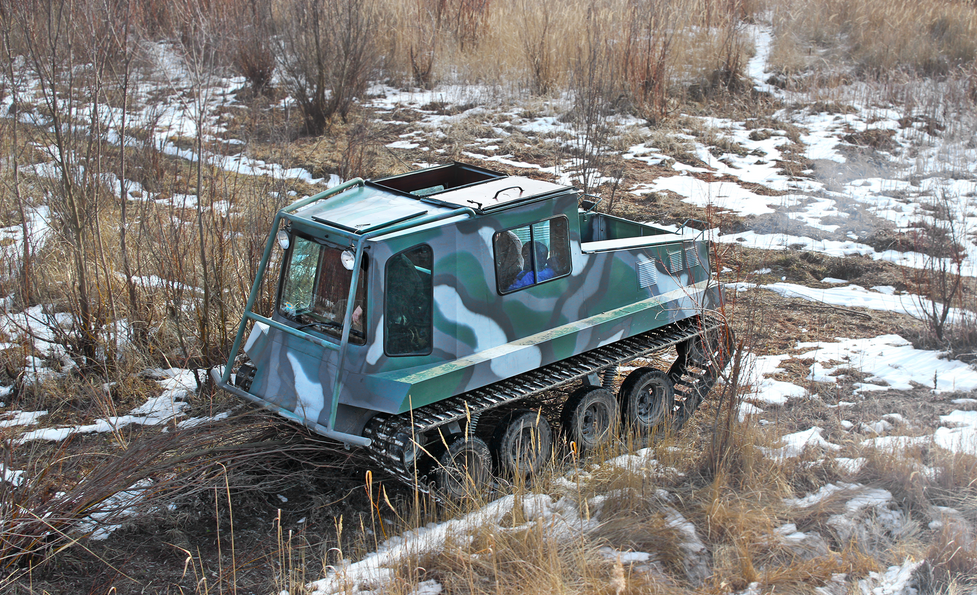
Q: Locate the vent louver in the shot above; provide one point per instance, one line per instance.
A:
(675, 261)
(647, 273)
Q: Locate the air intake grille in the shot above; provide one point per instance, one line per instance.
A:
(647, 273)
(692, 256)
(675, 261)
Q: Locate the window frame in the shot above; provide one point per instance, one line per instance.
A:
(429, 323)
(363, 293)
(530, 226)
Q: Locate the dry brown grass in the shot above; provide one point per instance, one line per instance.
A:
(162, 312)
(64, 484)
(952, 554)
(640, 508)
(902, 472)
(873, 38)
(508, 560)
(660, 50)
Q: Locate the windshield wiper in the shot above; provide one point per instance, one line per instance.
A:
(324, 325)
(321, 324)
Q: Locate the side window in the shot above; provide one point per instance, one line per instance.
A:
(409, 302)
(529, 255)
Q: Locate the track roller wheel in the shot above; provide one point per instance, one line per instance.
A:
(522, 443)
(590, 417)
(465, 468)
(647, 399)
(711, 348)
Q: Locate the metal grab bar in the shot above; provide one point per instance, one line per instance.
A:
(702, 232)
(266, 255)
(316, 427)
(292, 331)
(286, 213)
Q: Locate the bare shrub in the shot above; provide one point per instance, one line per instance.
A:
(84, 56)
(659, 49)
(594, 88)
(54, 37)
(875, 38)
(253, 52)
(423, 48)
(938, 282)
(731, 457)
(728, 76)
(257, 204)
(358, 157)
(328, 54)
(202, 59)
(411, 35)
(728, 455)
(536, 37)
(426, 40)
(647, 56)
(466, 19)
(155, 17)
(10, 171)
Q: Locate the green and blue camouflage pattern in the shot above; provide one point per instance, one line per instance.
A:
(623, 278)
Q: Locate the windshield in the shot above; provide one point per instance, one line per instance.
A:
(316, 288)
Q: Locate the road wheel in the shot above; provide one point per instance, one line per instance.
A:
(712, 347)
(590, 417)
(522, 443)
(465, 468)
(647, 399)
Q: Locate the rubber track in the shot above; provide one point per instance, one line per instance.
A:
(391, 435)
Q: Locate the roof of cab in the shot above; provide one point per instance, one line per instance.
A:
(388, 201)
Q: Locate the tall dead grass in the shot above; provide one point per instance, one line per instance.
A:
(691, 532)
(874, 38)
(60, 494)
(660, 49)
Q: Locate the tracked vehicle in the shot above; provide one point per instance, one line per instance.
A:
(427, 317)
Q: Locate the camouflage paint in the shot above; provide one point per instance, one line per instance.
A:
(479, 336)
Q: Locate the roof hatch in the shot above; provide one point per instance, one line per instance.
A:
(435, 180)
(463, 185)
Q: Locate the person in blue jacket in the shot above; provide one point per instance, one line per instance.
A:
(534, 254)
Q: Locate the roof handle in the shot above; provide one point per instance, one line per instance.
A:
(496, 197)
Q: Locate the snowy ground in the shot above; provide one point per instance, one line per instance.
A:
(833, 210)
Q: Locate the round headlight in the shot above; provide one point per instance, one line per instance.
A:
(347, 259)
(283, 239)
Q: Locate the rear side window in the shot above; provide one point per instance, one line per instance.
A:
(532, 254)
(409, 302)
